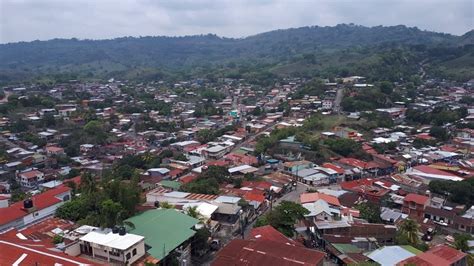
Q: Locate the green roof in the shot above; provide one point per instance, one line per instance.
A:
(411, 249)
(163, 229)
(170, 184)
(347, 248)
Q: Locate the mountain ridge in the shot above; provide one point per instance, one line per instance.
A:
(96, 58)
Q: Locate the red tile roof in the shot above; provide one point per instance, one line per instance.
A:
(188, 178)
(353, 162)
(40, 201)
(264, 252)
(440, 255)
(418, 199)
(218, 163)
(336, 168)
(34, 253)
(267, 232)
(31, 174)
(261, 185)
(425, 136)
(432, 171)
(448, 253)
(254, 197)
(312, 197)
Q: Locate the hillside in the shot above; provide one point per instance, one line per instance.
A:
(282, 52)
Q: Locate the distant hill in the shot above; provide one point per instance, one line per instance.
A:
(305, 48)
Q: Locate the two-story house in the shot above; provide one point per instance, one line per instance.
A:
(414, 205)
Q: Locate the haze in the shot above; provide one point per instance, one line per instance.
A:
(27, 20)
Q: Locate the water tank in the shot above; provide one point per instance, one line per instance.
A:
(122, 231)
(115, 230)
(28, 204)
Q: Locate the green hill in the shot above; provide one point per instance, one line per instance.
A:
(303, 51)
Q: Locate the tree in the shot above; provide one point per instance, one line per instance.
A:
(408, 232)
(205, 135)
(386, 87)
(95, 132)
(370, 212)
(344, 147)
(439, 132)
(461, 242)
(283, 217)
(200, 242)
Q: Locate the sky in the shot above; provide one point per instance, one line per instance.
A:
(28, 20)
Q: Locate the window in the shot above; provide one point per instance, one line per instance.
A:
(134, 252)
(128, 256)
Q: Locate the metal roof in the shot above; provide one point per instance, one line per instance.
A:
(165, 230)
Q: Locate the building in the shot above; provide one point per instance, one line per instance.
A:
(32, 210)
(414, 205)
(265, 252)
(166, 230)
(113, 246)
(15, 251)
(30, 178)
(440, 255)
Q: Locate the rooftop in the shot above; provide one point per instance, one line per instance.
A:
(165, 230)
(109, 239)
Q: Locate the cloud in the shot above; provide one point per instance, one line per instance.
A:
(26, 20)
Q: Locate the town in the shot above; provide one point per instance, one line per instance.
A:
(336, 171)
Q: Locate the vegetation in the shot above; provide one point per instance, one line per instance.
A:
(369, 212)
(381, 53)
(104, 204)
(457, 191)
(283, 217)
(408, 235)
(208, 181)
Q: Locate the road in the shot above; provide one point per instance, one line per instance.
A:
(293, 195)
(337, 101)
(253, 137)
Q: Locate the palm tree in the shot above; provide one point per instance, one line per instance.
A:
(193, 212)
(409, 229)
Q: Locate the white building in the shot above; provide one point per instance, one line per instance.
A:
(113, 247)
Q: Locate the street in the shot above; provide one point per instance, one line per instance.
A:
(293, 195)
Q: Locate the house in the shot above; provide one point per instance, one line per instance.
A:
(161, 173)
(266, 252)
(166, 230)
(269, 233)
(30, 178)
(440, 255)
(54, 151)
(294, 167)
(113, 246)
(320, 210)
(36, 208)
(215, 152)
(366, 189)
(313, 197)
(391, 255)
(429, 173)
(16, 251)
(414, 205)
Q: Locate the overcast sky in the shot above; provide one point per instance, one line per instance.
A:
(26, 20)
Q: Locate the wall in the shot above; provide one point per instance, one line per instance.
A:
(73, 250)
